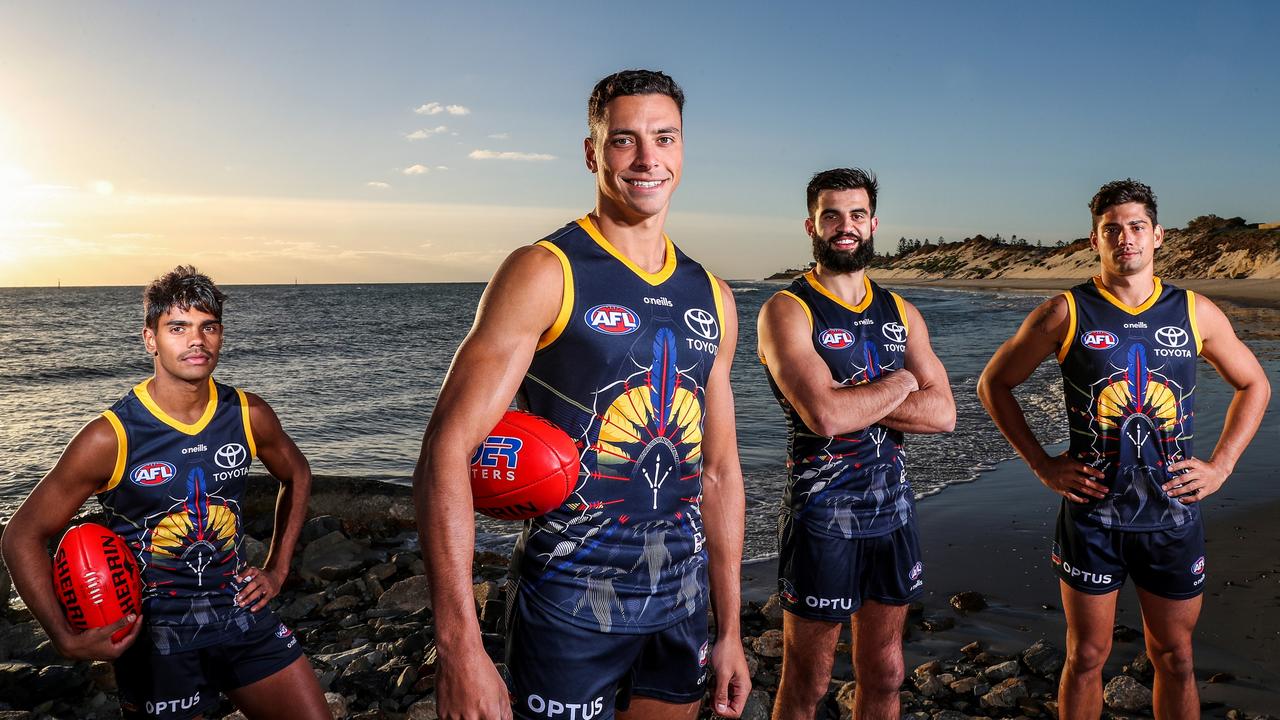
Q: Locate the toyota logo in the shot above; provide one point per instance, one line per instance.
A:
(894, 331)
(702, 323)
(1170, 336)
(230, 455)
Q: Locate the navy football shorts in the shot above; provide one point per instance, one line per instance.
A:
(186, 684)
(1096, 560)
(561, 671)
(826, 578)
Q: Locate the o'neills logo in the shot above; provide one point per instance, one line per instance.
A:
(836, 338)
(612, 319)
(1098, 340)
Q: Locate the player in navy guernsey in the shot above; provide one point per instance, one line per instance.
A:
(1128, 345)
(609, 331)
(168, 463)
(852, 367)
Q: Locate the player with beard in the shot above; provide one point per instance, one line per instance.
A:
(852, 367)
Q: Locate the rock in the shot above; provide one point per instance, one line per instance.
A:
(929, 685)
(103, 676)
(317, 527)
(301, 607)
(968, 601)
(1222, 677)
(19, 641)
(344, 658)
(758, 707)
(1124, 633)
(424, 709)
(341, 605)
(15, 679)
(382, 571)
(410, 562)
(932, 667)
(1124, 693)
(484, 591)
(55, 682)
(972, 649)
(6, 584)
(769, 644)
(772, 611)
(15, 715)
(937, 624)
(1002, 671)
(253, 550)
(970, 686)
(404, 681)
(949, 715)
(331, 557)
(1043, 659)
(1140, 668)
(1006, 694)
(844, 696)
(337, 705)
(407, 596)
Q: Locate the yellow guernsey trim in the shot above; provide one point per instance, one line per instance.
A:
(668, 267)
(715, 292)
(812, 279)
(803, 306)
(122, 451)
(902, 311)
(244, 417)
(1071, 327)
(1155, 295)
(1191, 315)
(566, 298)
(141, 391)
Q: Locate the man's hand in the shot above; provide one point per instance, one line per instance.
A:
(260, 587)
(1201, 479)
(904, 376)
(1071, 478)
(96, 644)
(733, 677)
(468, 687)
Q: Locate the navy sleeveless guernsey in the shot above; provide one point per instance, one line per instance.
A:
(174, 497)
(852, 485)
(624, 372)
(1129, 376)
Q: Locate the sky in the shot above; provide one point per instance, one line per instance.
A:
(422, 142)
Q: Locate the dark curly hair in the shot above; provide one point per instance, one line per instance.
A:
(1119, 192)
(629, 82)
(842, 179)
(182, 287)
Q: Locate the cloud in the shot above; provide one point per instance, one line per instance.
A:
(425, 133)
(442, 167)
(102, 187)
(435, 108)
(509, 155)
(417, 170)
(500, 136)
(377, 185)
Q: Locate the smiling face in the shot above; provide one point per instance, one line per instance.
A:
(636, 154)
(843, 230)
(185, 343)
(1126, 239)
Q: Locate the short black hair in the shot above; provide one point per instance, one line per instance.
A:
(630, 82)
(842, 179)
(182, 287)
(1119, 192)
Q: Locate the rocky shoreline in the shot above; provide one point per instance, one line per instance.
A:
(357, 597)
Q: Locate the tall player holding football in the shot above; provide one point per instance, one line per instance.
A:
(168, 463)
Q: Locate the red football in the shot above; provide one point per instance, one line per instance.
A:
(95, 576)
(526, 467)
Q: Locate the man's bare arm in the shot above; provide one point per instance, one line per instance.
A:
(85, 466)
(1237, 365)
(723, 517)
(285, 462)
(1039, 337)
(519, 304)
(826, 407)
(931, 408)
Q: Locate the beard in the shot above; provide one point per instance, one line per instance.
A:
(843, 261)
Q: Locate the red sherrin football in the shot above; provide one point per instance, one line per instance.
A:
(526, 467)
(95, 576)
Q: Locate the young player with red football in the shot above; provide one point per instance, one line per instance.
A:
(608, 330)
(168, 463)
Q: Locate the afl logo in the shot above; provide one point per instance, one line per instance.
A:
(1198, 566)
(230, 456)
(612, 320)
(894, 331)
(916, 570)
(1171, 336)
(702, 323)
(836, 338)
(153, 473)
(1098, 340)
(283, 632)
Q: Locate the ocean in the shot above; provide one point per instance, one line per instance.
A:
(353, 372)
